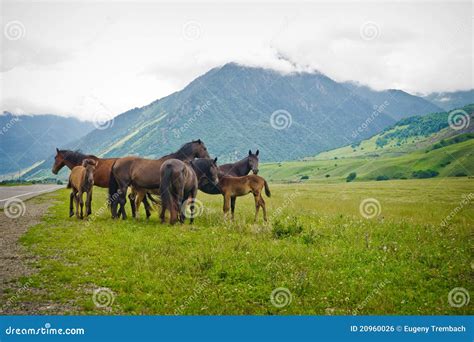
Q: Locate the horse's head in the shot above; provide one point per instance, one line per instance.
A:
(199, 149)
(253, 161)
(206, 169)
(90, 165)
(213, 171)
(58, 162)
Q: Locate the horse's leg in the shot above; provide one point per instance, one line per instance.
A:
(226, 204)
(174, 210)
(137, 201)
(232, 206)
(122, 201)
(192, 197)
(163, 211)
(262, 204)
(89, 203)
(71, 206)
(81, 203)
(76, 200)
(257, 204)
(133, 204)
(147, 206)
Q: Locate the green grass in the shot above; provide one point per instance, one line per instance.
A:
(449, 161)
(317, 245)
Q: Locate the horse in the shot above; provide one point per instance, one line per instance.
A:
(72, 159)
(179, 183)
(144, 174)
(241, 186)
(81, 180)
(237, 169)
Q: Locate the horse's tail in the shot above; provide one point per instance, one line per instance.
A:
(166, 183)
(267, 188)
(113, 186)
(69, 185)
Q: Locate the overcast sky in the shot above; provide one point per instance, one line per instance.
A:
(86, 59)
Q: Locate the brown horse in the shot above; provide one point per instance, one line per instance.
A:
(237, 169)
(81, 180)
(241, 186)
(179, 184)
(144, 174)
(72, 159)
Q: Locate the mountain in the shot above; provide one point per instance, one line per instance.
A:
(451, 100)
(26, 140)
(413, 147)
(398, 104)
(235, 108)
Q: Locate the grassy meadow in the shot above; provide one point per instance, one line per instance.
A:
(317, 244)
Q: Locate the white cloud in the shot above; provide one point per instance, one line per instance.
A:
(82, 58)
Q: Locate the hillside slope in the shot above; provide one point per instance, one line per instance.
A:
(231, 108)
(414, 144)
(27, 140)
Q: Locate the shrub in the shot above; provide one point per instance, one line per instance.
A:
(382, 178)
(289, 227)
(304, 177)
(351, 177)
(424, 173)
(327, 176)
(460, 174)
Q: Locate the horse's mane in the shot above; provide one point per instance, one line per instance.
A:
(75, 157)
(185, 149)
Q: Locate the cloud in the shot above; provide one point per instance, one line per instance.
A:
(77, 58)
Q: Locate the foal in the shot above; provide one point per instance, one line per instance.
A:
(81, 180)
(179, 183)
(232, 187)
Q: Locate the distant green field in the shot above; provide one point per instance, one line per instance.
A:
(318, 245)
(450, 161)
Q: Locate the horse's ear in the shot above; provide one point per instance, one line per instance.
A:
(215, 160)
(57, 150)
(199, 141)
(250, 152)
(256, 153)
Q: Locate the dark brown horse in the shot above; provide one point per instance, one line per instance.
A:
(81, 180)
(241, 186)
(102, 171)
(179, 184)
(144, 174)
(237, 169)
